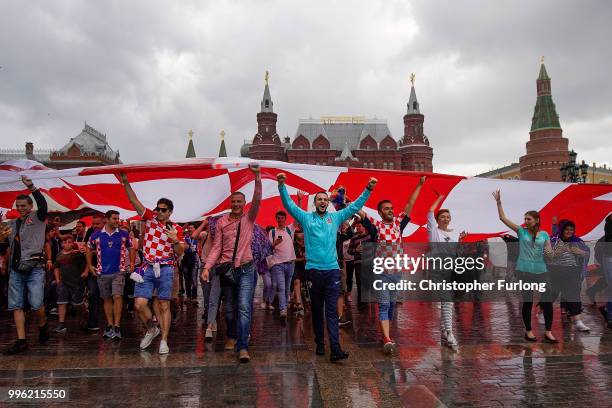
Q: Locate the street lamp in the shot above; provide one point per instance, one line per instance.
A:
(572, 172)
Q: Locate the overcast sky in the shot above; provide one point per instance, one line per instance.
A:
(145, 72)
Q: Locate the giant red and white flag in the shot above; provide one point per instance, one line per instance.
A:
(200, 187)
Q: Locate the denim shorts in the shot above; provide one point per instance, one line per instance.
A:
(35, 284)
(163, 284)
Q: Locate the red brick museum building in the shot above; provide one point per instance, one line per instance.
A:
(350, 141)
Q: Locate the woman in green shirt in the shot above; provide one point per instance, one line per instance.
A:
(530, 266)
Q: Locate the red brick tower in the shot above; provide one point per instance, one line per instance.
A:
(266, 143)
(547, 149)
(414, 146)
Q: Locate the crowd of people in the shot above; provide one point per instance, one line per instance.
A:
(152, 267)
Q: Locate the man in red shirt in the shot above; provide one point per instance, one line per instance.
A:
(161, 242)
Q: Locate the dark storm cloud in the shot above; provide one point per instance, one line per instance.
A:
(147, 72)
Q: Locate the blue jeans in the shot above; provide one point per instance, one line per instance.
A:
(324, 292)
(214, 298)
(238, 306)
(268, 291)
(34, 282)
(281, 282)
(607, 268)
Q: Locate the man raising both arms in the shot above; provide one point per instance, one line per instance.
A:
(161, 241)
(322, 268)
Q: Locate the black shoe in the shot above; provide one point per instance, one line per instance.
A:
(320, 350)
(343, 321)
(43, 334)
(531, 339)
(338, 355)
(92, 328)
(20, 346)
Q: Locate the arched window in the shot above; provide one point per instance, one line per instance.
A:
(415, 105)
(267, 103)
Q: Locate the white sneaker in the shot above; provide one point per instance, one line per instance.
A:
(163, 347)
(148, 338)
(209, 334)
(541, 318)
(581, 326)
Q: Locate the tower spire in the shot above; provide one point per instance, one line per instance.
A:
(545, 113)
(546, 149)
(266, 101)
(413, 103)
(190, 148)
(222, 149)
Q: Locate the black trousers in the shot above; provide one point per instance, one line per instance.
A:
(527, 295)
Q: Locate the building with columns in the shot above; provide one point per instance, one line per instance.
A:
(351, 141)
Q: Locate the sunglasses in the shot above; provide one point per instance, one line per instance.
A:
(163, 210)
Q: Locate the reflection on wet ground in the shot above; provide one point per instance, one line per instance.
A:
(492, 367)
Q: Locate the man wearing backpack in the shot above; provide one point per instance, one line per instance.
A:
(281, 262)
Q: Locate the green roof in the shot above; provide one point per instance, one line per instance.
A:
(543, 73)
(545, 114)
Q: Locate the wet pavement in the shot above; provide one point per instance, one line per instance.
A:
(493, 367)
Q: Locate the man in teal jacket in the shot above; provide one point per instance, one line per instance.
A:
(320, 229)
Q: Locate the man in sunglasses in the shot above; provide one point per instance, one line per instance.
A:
(161, 242)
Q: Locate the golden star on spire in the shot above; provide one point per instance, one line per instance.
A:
(190, 133)
(412, 78)
(222, 134)
(267, 77)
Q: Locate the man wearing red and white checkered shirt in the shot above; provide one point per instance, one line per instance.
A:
(389, 244)
(161, 243)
